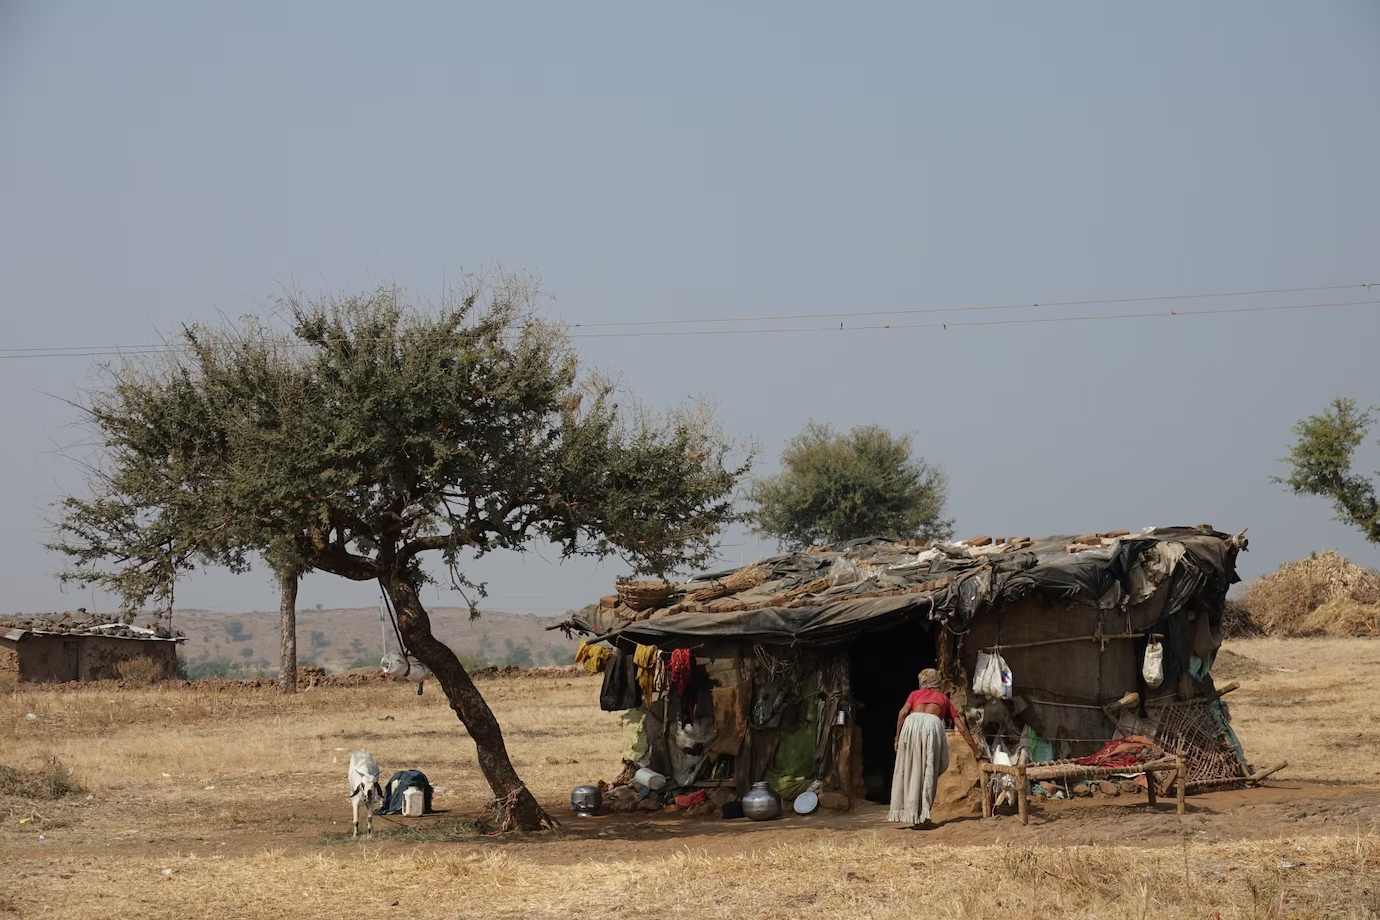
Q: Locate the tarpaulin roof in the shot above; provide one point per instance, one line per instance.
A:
(828, 595)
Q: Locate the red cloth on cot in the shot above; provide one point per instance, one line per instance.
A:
(926, 696)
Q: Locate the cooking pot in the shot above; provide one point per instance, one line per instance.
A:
(585, 800)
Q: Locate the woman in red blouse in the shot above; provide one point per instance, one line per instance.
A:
(922, 750)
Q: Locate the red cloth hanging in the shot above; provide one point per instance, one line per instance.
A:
(680, 669)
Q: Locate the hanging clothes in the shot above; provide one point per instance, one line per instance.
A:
(593, 656)
(645, 658)
(681, 665)
(620, 691)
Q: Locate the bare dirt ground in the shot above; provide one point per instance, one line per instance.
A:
(240, 796)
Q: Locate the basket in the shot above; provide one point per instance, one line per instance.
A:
(644, 595)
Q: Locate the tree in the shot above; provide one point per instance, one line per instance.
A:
(1321, 462)
(373, 435)
(836, 487)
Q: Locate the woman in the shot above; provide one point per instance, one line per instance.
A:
(922, 751)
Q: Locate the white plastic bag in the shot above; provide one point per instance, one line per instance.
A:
(1153, 667)
(992, 676)
(843, 572)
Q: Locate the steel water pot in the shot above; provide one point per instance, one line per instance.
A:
(761, 803)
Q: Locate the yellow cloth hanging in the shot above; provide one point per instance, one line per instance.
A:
(594, 657)
(645, 659)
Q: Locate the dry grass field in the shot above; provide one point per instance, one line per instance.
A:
(231, 803)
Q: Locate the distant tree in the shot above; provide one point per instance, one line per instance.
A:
(318, 606)
(1321, 461)
(234, 630)
(246, 652)
(319, 639)
(519, 655)
(375, 435)
(836, 487)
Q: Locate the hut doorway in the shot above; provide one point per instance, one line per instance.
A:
(882, 668)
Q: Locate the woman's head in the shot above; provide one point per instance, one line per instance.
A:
(929, 679)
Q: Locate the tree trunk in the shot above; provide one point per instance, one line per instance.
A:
(287, 635)
(516, 805)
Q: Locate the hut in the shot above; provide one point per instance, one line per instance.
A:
(61, 648)
(792, 670)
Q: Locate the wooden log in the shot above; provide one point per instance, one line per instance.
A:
(1022, 793)
(1181, 780)
(986, 794)
(1150, 787)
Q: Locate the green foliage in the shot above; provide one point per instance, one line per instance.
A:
(318, 639)
(836, 487)
(369, 432)
(520, 655)
(1321, 462)
(234, 631)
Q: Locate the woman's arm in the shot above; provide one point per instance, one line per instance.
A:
(900, 720)
(962, 727)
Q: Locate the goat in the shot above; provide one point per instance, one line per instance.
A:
(364, 789)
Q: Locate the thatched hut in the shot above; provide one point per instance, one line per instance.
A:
(794, 668)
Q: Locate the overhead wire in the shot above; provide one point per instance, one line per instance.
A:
(115, 350)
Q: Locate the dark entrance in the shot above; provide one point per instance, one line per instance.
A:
(883, 667)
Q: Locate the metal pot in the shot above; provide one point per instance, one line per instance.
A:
(585, 800)
(761, 803)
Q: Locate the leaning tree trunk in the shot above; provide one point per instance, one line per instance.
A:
(514, 806)
(287, 635)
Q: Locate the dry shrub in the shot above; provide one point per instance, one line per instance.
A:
(1325, 594)
(1237, 622)
(140, 671)
(51, 781)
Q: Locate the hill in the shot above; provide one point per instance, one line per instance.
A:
(246, 644)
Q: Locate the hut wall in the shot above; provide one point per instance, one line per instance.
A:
(9, 661)
(1065, 684)
(101, 657)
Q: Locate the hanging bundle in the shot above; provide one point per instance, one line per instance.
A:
(399, 664)
(1152, 668)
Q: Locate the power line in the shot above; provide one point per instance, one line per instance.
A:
(1009, 306)
(986, 322)
(87, 351)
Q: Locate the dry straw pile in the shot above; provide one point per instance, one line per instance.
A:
(1323, 595)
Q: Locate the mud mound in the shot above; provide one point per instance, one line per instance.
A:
(1231, 666)
(1323, 595)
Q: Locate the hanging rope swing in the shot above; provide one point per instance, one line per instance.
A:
(399, 663)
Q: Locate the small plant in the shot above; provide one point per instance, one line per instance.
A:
(140, 671)
(51, 781)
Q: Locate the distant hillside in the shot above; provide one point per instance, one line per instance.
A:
(342, 639)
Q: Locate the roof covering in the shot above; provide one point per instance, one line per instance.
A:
(826, 595)
(77, 624)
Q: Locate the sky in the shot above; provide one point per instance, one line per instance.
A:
(165, 162)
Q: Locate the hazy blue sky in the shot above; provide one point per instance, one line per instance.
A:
(168, 161)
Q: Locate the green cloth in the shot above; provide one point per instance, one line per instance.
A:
(794, 768)
(1040, 749)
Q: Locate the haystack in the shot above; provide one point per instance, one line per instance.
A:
(1323, 595)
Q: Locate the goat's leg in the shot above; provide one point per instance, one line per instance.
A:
(354, 807)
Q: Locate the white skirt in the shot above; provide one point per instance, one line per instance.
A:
(921, 755)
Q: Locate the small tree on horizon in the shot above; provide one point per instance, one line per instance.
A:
(835, 487)
(1321, 461)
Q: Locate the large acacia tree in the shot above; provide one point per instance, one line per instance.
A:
(374, 435)
(836, 487)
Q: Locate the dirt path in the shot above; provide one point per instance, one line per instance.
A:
(1278, 810)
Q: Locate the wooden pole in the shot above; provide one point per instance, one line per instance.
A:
(1150, 786)
(1181, 780)
(986, 793)
(1022, 791)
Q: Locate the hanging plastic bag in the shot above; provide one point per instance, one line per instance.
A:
(992, 676)
(1153, 667)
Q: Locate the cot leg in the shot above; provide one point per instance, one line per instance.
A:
(986, 793)
(1181, 780)
(1150, 786)
(1022, 792)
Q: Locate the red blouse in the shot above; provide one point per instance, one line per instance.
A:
(923, 697)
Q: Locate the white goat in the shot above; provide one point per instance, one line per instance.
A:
(364, 789)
